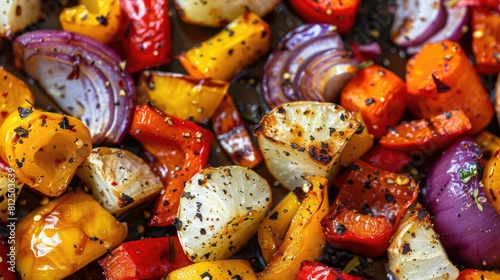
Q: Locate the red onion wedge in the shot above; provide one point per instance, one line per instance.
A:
(467, 224)
(416, 21)
(84, 77)
(456, 19)
(310, 63)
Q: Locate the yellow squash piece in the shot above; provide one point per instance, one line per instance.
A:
(491, 181)
(44, 148)
(14, 93)
(220, 270)
(98, 19)
(57, 239)
(361, 141)
(180, 95)
(241, 43)
(304, 239)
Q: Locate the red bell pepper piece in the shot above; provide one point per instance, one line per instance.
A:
(8, 263)
(180, 149)
(311, 270)
(341, 13)
(486, 39)
(386, 159)
(147, 38)
(144, 259)
(477, 3)
(367, 209)
(233, 135)
(475, 274)
(427, 135)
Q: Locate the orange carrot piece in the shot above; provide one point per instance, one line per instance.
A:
(427, 135)
(379, 94)
(440, 78)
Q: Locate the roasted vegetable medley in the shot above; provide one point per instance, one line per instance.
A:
(216, 139)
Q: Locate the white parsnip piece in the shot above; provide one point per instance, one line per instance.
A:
(119, 179)
(416, 253)
(220, 210)
(304, 139)
(15, 15)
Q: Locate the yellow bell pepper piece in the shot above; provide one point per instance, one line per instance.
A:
(180, 95)
(241, 43)
(44, 148)
(358, 144)
(488, 143)
(14, 93)
(220, 270)
(57, 239)
(98, 19)
(304, 239)
(273, 229)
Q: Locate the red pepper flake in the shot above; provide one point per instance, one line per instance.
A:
(114, 184)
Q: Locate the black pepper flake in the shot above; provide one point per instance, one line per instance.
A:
(281, 110)
(447, 115)
(440, 86)
(350, 182)
(93, 238)
(406, 248)
(206, 274)
(369, 101)
(332, 130)
(421, 213)
(391, 129)
(294, 146)
(177, 224)
(21, 131)
(367, 185)
(354, 167)
(24, 112)
(64, 124)
(258, 127)
(389, 198)
(203, 231)
(274, 216)
(102, 20)
(360, 129)
(342, 117)
(230, 52)
(340, 229)
(125, 200)
(199, 216)
(187, 195)
(19, 163)
(236, 277)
